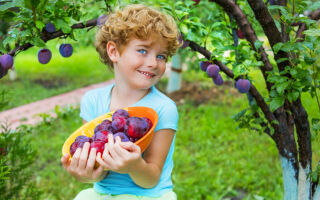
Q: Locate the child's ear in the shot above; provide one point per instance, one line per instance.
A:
(112, 51)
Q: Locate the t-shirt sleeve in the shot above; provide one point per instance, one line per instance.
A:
(168, 117)
(86, 107)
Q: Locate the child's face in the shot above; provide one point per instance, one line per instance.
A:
(141, 63)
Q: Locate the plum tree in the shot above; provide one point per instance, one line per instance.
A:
(44, 56)
(66, 50)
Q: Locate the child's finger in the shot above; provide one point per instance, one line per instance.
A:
(84, 155)
(97, 173)
(101, 162)
(110, 147)
(64, 160)
(91, 159)
(75, 159)
(130, 146)
(119, 150)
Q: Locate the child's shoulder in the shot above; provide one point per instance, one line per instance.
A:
(160, 97)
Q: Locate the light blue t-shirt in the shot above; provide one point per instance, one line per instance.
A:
(96, 102)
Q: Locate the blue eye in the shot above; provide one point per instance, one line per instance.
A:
(162, 57)
(142, 51)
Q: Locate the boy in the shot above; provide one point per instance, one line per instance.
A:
(136, 42)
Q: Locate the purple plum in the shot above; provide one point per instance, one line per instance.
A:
(104, 125)
(136, 127)
(149, 122)
(3, 71)
(66, 50)
(123, 136)
(50, 28)
(6, 61)
(118, 124)
(101, 136)
(218, 80)
(204, 65)
(120, 113)
(213, 71)
(243, 85)
(44, 56)
(101, 20)
(83, 138)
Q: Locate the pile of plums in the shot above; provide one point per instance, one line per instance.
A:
(128, 128)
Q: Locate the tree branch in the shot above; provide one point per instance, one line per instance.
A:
(232, 8)
(262, 14)
(255, 93)
(45, 36)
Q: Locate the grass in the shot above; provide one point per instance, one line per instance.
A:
(37, 81)
(213, 159)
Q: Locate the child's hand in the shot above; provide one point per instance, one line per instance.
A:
(81, 167)
(120, 157)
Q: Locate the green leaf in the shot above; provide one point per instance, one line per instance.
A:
(292, 96)
(277, 47)
(309, 60)
(37, 42)
(184, 29)
(276, 103)
(258, 44)
(237, 116)
(282, 59)
(40, 24)
(281, 87)
(31, 4)
(312, 32)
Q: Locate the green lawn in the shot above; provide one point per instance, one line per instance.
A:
(37, 81)
(213, 159)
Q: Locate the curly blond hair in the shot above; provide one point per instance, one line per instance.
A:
(138, 21)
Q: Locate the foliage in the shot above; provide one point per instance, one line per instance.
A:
(16, 155)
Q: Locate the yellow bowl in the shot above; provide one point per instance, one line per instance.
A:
(88, 128)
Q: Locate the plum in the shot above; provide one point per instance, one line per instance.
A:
(98, 145)
(213, 71)
(136, 127)
(101, 20)
(3, 71)
(204, 65)
(83, 139)
(75, 145)
(118, 124)
(120, 113)
(6, 61)
(122, 135)
(243, 85)
(104, 125)
(101, 136)
(149, 122)
(50, 28)
(66, 50)
(185, 44)
(218, 80)
(44, 56)
(240, 34)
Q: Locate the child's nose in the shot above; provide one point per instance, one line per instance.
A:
(151, 61)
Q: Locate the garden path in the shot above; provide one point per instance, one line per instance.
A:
(29, 113)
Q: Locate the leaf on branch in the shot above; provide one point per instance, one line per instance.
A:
(258, 44)
(237, 116)
(277, 47)
(312, 32)
(313, 6)
(276, 103)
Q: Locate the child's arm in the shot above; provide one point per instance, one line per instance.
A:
(81, 167)
(125, 157)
